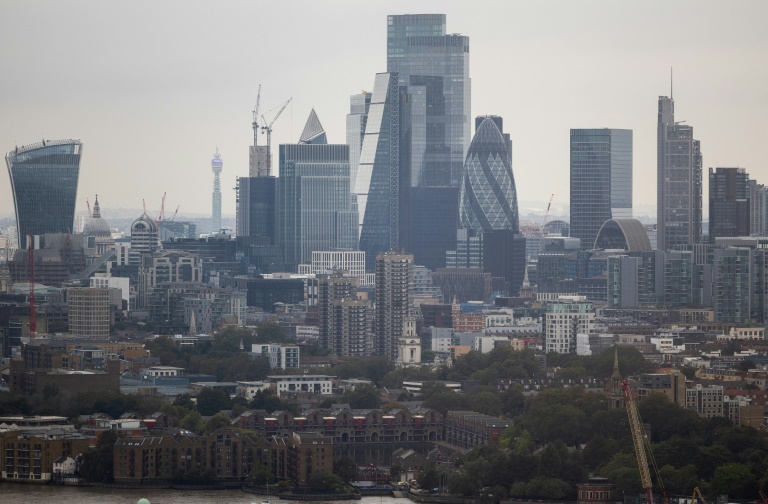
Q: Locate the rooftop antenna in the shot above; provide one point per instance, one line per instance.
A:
(671, 95)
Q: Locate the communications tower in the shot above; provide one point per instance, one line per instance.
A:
(216, 166)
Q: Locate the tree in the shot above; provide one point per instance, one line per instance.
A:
(322, 480)
(346, 469)
(364, 396)
(734, 480)
(212, 400)
(217, 421)
(193, 422)
(429, 478)
(260, 474)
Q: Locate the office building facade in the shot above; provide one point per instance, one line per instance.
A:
(314, 203)
(729, 205)
(255, 217)
(434, 67)
(357, 119)
(44, 180)
(601, 180)
(88, 312)
(679, 172)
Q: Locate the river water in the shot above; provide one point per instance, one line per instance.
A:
(47, 494)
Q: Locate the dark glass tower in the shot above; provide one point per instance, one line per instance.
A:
(728, 203)
(601, 180)
(44, 185)
(435, 68)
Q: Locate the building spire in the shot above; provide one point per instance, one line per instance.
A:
(616, 373)
(96, 209)
(192, 324)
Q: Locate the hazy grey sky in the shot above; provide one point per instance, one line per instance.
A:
(153, 87)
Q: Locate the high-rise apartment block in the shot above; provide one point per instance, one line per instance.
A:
(758, 209)
(563, 321)
(740, 281)
(331, 290)
(88, 312)
(678, 193)
(44, 186)
(729, 206)
(314, 204)
(435, 68)
(601, 180)
(216, 166)
(394, 273)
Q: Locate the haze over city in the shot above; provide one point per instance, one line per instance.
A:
(153, 89)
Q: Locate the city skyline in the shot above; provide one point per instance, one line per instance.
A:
(173, 99)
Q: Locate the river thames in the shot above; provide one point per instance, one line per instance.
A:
(46, 494)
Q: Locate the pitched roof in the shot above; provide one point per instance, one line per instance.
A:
(313, 131)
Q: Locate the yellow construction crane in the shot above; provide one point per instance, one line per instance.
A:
(696, 492)
(642, 448)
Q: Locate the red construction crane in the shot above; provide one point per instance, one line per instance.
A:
(174, 213)
(32, 304)
(642, 447)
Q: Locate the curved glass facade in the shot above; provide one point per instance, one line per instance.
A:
(44, 185)
(488, 198)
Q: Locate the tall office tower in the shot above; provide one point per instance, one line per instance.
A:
(255, 216)
(729, 204)
(758, 209)
(313, 199)
(44, 186)
(678, 192)
(435, 68)
(488, 203)
(356, 121)
(379, 171)
(216, 166)
(394, 273)
(601, 180)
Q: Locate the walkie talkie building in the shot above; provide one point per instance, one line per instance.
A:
(44, 185)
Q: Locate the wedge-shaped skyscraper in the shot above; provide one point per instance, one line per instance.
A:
(378, 176)
(44, 185)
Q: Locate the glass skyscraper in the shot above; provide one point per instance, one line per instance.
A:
(378, 176)
(44, 184)
(435, 68)
(488, 198)
(678, 192)
(314, 202)
(356, 121)
(601, 180)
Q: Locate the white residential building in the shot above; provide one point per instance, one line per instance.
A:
(565, 320)
(279, 356)
(303, 384)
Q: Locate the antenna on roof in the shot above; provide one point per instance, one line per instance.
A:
(671, 95)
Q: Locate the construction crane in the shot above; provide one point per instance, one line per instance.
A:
(162, 210)
(549, 205)
(696, 492)
(268, 130)
(255, 123)
(642, 447)
(32, 303)
(88, 204)
(174, 213)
